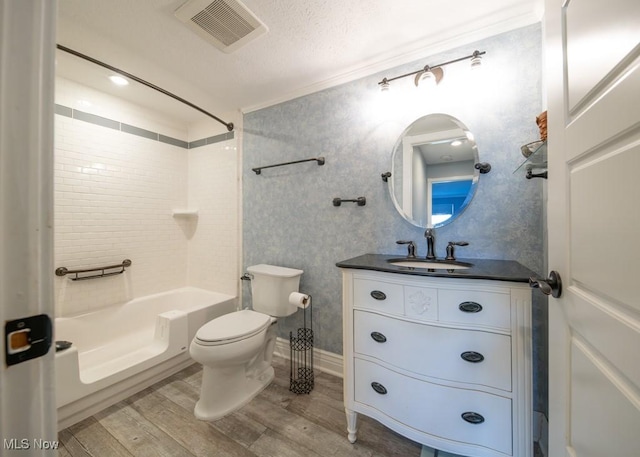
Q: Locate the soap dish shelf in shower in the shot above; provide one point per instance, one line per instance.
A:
(185, 212)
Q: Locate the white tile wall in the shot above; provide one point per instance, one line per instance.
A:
(114, 196)
(77, 96)
(213, 189)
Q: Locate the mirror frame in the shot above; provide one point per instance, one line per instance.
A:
(477, 169)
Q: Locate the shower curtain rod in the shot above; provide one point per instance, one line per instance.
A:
(229, 125)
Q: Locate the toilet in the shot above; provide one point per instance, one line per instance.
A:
(236, 349)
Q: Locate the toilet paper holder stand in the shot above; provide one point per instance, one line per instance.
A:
(301, 376)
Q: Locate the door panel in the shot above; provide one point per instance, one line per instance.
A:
(609, 416)
(611, 332)
(603, 210)
(599, 35)
(613, 113)
(594, 226)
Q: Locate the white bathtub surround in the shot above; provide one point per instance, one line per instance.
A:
(213, 250)
(78, 96)
(121, 171)
(123, 348)
(113, 198)
(115, 194)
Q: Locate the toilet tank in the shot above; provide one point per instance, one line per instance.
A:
(270, 289)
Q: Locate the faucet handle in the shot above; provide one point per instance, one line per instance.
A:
(411, 248)
(450, 248)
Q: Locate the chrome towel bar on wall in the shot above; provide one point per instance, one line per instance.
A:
(63, 271)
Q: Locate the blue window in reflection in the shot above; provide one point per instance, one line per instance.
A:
(447, 198)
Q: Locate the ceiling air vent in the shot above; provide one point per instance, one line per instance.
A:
(227, 24)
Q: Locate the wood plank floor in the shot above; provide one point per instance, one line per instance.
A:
(159, 421)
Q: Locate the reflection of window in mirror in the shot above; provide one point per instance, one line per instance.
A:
(435, 147)
(448, 195)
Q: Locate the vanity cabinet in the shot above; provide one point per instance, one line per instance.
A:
(443, 361)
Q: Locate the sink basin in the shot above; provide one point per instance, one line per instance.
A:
(429, 264)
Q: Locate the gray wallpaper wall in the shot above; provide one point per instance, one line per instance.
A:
(288, 216)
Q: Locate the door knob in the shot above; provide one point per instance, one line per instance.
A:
(550, 286)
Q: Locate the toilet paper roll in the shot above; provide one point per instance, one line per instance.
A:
(302, 301)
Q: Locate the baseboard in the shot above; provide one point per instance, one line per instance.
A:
(325, 361)
(541, 432)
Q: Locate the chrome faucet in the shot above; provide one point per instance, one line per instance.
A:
(430, 235)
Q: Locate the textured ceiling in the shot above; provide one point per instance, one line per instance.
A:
(311, 44)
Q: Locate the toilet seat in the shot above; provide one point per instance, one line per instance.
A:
(232, 327)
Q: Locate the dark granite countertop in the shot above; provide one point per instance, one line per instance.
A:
(498, 270)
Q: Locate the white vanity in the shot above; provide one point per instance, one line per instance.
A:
(443, 358)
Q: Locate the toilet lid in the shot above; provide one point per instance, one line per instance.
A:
(233, 326)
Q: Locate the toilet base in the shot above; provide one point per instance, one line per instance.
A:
(220, 397)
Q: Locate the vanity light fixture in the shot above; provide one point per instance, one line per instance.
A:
(433, 73)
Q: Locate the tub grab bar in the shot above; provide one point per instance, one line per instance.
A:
(62, 271)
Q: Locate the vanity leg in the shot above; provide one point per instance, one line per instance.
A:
(352, 425)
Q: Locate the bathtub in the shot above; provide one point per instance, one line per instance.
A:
(122, 349)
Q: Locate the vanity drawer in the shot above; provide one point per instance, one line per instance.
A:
(491, 309)
(469, 356)
(380, 296)
(435, 409)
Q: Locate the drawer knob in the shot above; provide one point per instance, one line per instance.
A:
(470, 307)
(378, 295)
(378, 337)
(379, 388)
(472, 356)
(473, 418)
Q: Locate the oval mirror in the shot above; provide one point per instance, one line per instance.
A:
(433, 174)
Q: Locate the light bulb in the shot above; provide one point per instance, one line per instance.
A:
(427, 80)
(118, 80)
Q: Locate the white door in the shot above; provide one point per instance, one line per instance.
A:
(593, 54)
(27, 392)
